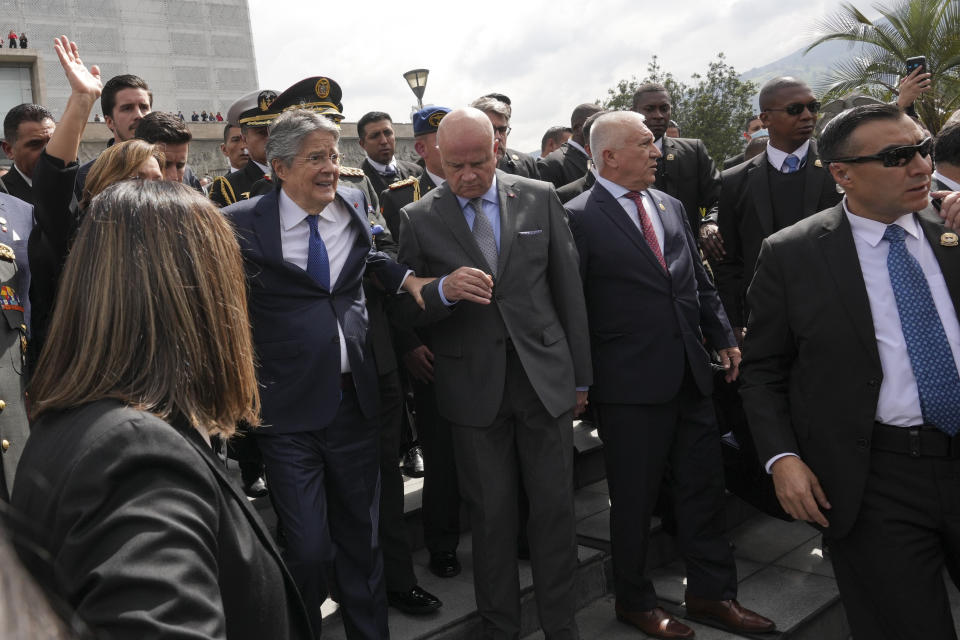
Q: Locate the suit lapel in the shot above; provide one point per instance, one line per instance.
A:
(266, 223)
(813, 182)
(508, 218)
(448, 209)
(948, 257)
(615, 212)
(669, 160)
(760, 190)
(672, 229)
(840, 254)
(353, 200)
(233, 494)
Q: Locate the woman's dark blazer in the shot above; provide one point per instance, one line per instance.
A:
(146, 536)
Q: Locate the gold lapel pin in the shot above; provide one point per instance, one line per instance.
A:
(662, 208)
(949, 240)
(669, 156)
(817, 163)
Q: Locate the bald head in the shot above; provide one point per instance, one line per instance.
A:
(467, 151)
(465, 121)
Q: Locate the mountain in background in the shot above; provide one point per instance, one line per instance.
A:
(812, 68)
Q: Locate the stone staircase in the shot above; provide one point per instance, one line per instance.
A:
(781, 569)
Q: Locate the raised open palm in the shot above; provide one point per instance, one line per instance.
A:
(82, 80)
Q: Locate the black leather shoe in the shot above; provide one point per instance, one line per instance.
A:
(416, 602)
(255, 489)
(444, 564)
(412, 462)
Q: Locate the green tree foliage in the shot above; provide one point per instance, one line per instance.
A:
(713, 107)
(908, 28)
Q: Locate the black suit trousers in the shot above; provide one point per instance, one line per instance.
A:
(889, 567)
(397, 564)
(639, 442)
(441, 491)
(326, 490)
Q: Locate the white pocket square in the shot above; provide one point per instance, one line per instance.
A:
(530, 233)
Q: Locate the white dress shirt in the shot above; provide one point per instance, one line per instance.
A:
(382, 168)
(263, 167)
(953, 185)
(29, 181)
(620, 193)
(338, 234)
(777, 157)
(437, 180)
(899, 401)
(577, 146)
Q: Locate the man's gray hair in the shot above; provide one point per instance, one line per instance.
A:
(487, 103)
(288, 132)
(605, 132)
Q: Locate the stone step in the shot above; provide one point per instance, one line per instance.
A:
(458, 618)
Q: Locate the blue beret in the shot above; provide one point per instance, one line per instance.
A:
(428, 119)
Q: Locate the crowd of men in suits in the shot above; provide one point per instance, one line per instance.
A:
(504, 293)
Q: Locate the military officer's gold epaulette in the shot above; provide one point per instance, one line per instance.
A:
(226, 190)
(6, 253)
(403, 183)
(352, 171)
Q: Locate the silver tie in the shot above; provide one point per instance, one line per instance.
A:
(483, 234)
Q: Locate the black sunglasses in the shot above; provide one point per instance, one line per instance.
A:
(797, 108)
(896, 157)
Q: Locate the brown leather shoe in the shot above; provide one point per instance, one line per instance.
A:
(728, 614)
(656, 622)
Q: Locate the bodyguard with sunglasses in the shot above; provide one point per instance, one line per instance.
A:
(780, 186)
(850, 376)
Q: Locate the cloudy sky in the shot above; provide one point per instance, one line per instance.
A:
(547, 56)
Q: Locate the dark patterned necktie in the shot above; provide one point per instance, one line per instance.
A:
(647, 228)
(938, 383)
(318, 263)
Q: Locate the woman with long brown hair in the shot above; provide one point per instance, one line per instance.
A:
(149, 354)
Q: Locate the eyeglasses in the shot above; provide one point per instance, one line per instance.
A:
(503, 131)
(797, 108)
(317, 159)
(896, 157)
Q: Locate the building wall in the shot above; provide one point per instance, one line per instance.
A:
(195, 55)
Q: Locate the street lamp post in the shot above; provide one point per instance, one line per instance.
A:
(417, 79)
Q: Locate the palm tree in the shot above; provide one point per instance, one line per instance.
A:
(909, 28)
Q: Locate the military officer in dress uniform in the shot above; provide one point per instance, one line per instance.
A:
(253, 113)
(403, 192)
(320, 94)
(14, 285)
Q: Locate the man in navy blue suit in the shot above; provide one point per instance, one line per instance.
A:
(306, 246)
(650, 306)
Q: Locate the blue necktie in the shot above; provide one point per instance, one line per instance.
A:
(318, 263)
(933, 365)
(790, 164)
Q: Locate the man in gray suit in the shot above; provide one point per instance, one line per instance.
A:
(512, 363)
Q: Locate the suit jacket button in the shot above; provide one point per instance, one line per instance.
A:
(862, 443)
(873, 383)
(5, 444)
(3, 405)
(335, 339)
